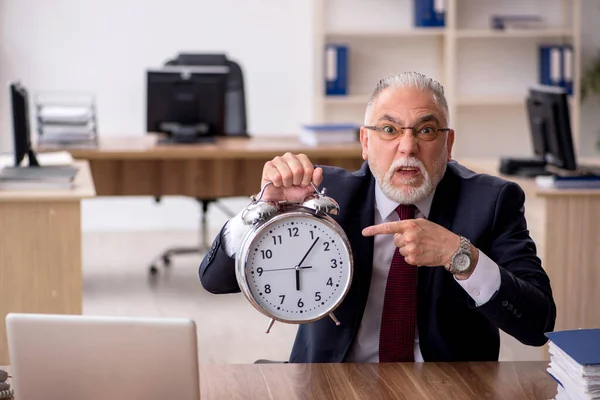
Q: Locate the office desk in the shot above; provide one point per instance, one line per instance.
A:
(139, 166)
(40, 250)
(460, 381)
(566, 226)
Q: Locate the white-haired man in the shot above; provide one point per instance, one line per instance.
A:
(443, 258)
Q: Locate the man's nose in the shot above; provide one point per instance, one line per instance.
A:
(407, 144)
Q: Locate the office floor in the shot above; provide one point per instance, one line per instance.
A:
(229, 330)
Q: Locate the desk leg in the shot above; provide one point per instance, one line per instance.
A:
(572, 259)
(40, 260)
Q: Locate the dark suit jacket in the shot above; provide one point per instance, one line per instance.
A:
(488, 211)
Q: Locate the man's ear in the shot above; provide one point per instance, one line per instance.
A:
(364, 141)
(450, 143)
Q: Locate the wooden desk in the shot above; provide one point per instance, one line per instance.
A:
(566, 226)
(40, 251)
(505, 380)
(138, 166)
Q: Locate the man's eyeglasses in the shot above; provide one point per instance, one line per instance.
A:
(426, 133)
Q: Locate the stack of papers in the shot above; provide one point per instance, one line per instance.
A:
(575, 363)
(313, 135)
(510, 22)
(568, 182)
(57, 171)
(66, 119)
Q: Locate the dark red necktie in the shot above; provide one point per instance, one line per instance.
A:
(397, 335)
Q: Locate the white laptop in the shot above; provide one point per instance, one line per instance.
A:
(91, 357)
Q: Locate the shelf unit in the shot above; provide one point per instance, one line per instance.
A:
(486, 73)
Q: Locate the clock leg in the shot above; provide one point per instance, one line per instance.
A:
(271, 322)
(334, 319)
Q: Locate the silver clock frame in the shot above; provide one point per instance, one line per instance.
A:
(285, 211)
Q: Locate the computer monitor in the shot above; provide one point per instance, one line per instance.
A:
(187, 102)
(550, 124)
(19, 100)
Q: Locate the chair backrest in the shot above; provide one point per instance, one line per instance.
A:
(235, 98)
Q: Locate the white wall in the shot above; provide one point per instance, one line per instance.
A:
(105, 47)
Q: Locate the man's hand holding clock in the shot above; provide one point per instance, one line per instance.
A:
(424, 243)
(291, 175)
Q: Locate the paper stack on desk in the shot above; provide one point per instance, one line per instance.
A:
(66, 119)
(313, 135)
(57, 171)
(568, 182)
(575, 363)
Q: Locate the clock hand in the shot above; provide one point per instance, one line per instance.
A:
(284, 269)
(300, 263)
(306, 255)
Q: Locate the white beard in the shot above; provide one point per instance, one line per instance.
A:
(411, 194)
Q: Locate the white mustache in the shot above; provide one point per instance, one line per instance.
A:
(406, 162)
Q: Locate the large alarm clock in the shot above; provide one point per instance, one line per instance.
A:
(295, 262)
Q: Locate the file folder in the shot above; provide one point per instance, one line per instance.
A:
(336, 69)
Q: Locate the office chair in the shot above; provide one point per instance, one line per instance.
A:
(235, 126)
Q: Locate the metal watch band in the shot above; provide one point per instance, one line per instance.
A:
(465, 244)
(465, 247)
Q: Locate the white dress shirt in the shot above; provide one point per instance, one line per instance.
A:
(481, 285)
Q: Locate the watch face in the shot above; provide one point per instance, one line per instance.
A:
(297, 267)
(462, 262)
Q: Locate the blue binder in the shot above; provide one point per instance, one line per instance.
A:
(550, 65)
(429, 13)
(582, 345)
(336, 70)
(567, 68)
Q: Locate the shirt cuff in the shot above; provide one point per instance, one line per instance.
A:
(233, 233)
(483, 282)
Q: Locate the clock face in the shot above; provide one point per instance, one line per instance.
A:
(298, 268)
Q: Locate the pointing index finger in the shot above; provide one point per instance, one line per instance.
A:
(385, 228)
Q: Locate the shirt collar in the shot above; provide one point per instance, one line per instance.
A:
(385, 206)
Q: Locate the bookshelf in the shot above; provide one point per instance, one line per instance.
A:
(485, 72)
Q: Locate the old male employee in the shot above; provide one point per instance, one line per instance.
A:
(443, 258)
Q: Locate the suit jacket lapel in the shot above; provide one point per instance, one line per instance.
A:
(442, 213)
(445, 200)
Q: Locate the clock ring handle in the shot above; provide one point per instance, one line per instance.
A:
(262, 191)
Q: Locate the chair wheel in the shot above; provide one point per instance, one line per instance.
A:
(167, 261)
(153, 270)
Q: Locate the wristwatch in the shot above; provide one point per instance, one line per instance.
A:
(460, 262)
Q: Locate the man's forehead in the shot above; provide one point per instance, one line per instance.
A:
(407, 98)
(404, 102)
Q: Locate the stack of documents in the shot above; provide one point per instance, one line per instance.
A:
(57, 171)
(568, 182)
(66, 119)
(509, 22)
(575, 363)
(313, 135)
